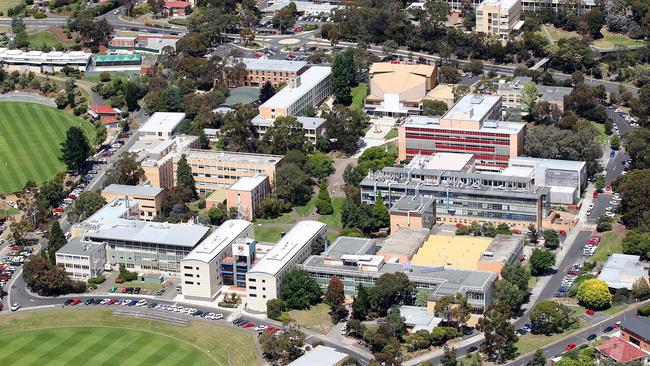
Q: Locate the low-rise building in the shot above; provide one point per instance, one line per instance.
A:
(314, 127)
(443, 93)
(160, 126)
(258, 71)
(415, 212)
(397, 89)
(146, 43)
(118, 208)
(400, 246)
(471, 126)
(128, 63)
(418, 318)
(510, 93)
(567, 179)
(264, 280)
(150, 199)
(201, 268)
(307, 8)
(321, 356)
(620, 351)
(498, 17)
(636, 330)
(147, 246)
(246, 195)
(622, 271)
(177, 8)
(82, 260)
(43, 62)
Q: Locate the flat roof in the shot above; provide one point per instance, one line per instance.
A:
(116, 209)
(233, 156)
(242, 95)
(133, 190)
(308, 80)
(502, 248)
(290, 244)
(162, 122)
(273, 65)
(414, 204)
(406, 241)
(445, 161)
(183, 235)
(553, 93)
(418, 318)
(622, 270)
(518, 171)
(220, 239)
(555, 164)
(456, 251)
(78, 247)
(348, 245)
(320, 356)
(248, 183)
(503, 4)
(301, 6)
(504, 127)
(472, 107)
(308, 123)
(120, 57)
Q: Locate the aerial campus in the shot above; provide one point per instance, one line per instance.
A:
(325, 183)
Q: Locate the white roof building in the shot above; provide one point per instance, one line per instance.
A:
(13, 56)
(218, 241)
(161, 125)
(477, 108)
(129, 190)
(622, 270)
(180, 235)
(248, 183)
(259, 64)
(306, 7)
(320, 356)
(290, 94)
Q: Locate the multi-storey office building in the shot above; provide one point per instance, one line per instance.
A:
(510, 93)
(463, 197)
(350, 261)
(566, 179)
(200, 269)
(160, 126)
(247, 194)
(264, 280)
(82, 260)
(221, 169)
(469, 127)
(147, 246)
(235, 267)
(498, 17)
(157, 158)
(150, 199)
(259, 71)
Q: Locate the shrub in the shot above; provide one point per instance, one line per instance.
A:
(97, 280)
(644, 310)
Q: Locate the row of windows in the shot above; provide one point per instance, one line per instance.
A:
(457, 139)
(456, 132)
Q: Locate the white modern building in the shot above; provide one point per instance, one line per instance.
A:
(302, 7)
(264, 280)
(321, 356)
(566, 178)
(119, 208)
(160, 126)
(314, 127)
(622, 271)
(200, 270)
(43, 62)
(82, 260)
(147, 246)
(498, 17)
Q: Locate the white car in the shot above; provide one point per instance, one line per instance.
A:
(142, 302)
(260, 327)
(614, 202)
(104, 302)
(608, 209)
(591, 205)
(610, 214)
(589, 213)
(15, 307)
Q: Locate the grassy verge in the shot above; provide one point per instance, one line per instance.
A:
(40, 39)
(221, 343)
(316, 318)
(610, 243)
(306, 209)
(359, 93)
(114, 75)
(530, 342)
(286, 218)
(269, 234)
(601, 138)
(143, 285)
(611, 40)
(391, 134)
(557, 33)
(333, 220)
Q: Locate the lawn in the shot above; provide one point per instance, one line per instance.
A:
(334, 220)
(114, 75)
(611, 40)
(40, 39)
(96, 337)
(600, 128)
(6, 4)
(391, 134)
(316, 318)
(557, 33)
(306, 209)
(610, 243)
(270, 234)
(359, 93)
(30, 138)
(286, 218)
(530, 342)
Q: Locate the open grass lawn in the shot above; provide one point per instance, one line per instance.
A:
(6, 4)
(611, 40)
(609, 244)
(359, 93)
(30, 138)
(40, 39)
(558, 33)
(306, 209)
(286, 218)
(316, 318)
(269, 234)
(391, 134)
(114, 75)
(601, 138)
(96, 337)
(530, 342)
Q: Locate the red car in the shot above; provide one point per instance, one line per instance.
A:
(590, 312)
(271, 330)
(258, 54)
(291, 56)
(248, 325)
(570, 346)
(75, 302)
(595, 194)
(617, 324)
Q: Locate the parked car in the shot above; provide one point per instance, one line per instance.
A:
(570, 346)
(15, 307)
(608, 329)
(75, 302)
(590, 312)
(591, 337)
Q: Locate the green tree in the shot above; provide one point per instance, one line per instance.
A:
(300, 290)
(449, 357)
(274, 308)
(594, 294)
(286, 134)
(640, 288)
(86, 204)
(361, 303)
(637, 146)
(345, 127)
(217, 215)
(551, 239)
(433, 107)
(335, 297)
(592, 22)
(184, 178)
(61, 100)
(459, 91)
(100, 133)
(380, 213)
(454, 309)
(634, 189)
(55, 241)
(131, 96)
(342, 71)
(508, 293)
(499, 333)
(548, 317)
(421, 298)
(533, 234)
(392, 289)
(266, 92)
(104, 76)
(395, 325)
(529, 95)
(541, 261)
(615, 142)
(323, 201)
(449, 75)
(504, 229)
(319, 165)
(75, 149)
(292, 184)
(127, 170)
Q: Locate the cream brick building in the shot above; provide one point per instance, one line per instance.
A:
(498, 17)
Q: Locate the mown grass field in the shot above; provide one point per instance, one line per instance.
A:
(96, 337)
(30, 139)
(40, 39)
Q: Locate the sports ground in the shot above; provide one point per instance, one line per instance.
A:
(30, 142)
(96, 337)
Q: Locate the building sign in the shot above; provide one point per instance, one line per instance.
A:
(241, 249)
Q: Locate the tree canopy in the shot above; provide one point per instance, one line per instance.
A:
(126, 170)
(594, 294)
(300, 290)
(549, 317)
(75, 149)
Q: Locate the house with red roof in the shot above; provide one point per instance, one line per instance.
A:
(177, 8)
(106, 114)
(621, 351)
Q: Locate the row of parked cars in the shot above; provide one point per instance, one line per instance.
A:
(591, 246)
